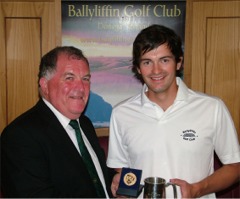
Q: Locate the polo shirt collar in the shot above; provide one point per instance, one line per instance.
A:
(181, 94)
(183, 91)
(144, 98)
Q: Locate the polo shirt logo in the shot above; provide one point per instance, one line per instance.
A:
(189, 135)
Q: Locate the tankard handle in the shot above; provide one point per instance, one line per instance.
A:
(174, 188)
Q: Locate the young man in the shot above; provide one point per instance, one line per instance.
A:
(41, 155)
(168, 130)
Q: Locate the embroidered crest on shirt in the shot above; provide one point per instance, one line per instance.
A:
(189, 135)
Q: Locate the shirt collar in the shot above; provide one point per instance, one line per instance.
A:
(182, 92)
(144, 98)
(62, 119)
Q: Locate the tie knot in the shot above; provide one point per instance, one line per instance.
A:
(74, 124)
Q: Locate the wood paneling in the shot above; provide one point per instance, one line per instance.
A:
(102, 132)
(212, 51)
(28, 29)
(223, 63)
(23, 56)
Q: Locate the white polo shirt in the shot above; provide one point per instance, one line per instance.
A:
(176, 143)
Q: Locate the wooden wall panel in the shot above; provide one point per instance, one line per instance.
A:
(23, 57)
(3, 83)
(212, 51)
(28, 29)
(223, 63)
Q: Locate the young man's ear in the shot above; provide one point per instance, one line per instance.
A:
(138, 70)
(179, 64)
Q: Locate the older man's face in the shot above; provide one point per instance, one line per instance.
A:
(68, 89)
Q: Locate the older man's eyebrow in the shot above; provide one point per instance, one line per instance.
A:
(68, 74)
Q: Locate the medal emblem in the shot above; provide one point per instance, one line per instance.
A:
(130, 179)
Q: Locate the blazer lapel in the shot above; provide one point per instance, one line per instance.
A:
(57, 133)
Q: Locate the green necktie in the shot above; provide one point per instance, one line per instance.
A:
(88, 160)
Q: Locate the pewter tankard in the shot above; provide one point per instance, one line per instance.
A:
(155, 187)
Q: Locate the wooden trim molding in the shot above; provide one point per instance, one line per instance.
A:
(102, 132)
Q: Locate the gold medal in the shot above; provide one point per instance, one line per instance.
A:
(130, 179)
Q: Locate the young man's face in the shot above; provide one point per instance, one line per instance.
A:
(158, 69)
(68, 89)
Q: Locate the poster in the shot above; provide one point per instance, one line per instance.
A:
(105, 31)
